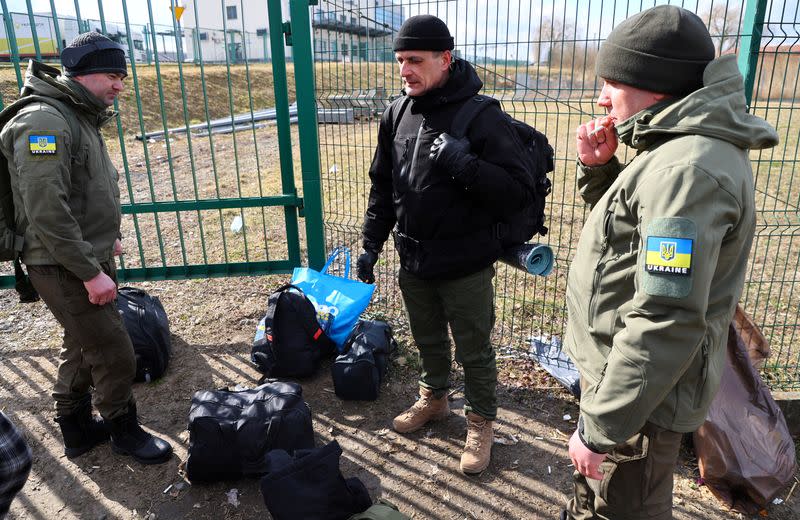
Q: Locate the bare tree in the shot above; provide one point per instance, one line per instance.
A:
(549, 40)
(561, 44)
(724, 24)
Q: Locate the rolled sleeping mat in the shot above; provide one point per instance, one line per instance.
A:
(536, 259)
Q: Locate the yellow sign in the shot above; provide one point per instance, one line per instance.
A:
(177, 10)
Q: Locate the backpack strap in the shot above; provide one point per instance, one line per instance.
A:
(468, 112)
(399, 114)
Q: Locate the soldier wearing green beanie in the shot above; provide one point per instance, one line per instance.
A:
(67, 214)
(660, 263)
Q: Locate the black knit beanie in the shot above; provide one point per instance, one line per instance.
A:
(93, 52)
(664, 49)
(423, 32)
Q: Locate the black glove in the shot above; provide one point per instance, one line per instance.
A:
(365, 265)
(453, 155)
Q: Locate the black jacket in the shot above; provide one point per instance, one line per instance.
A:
(444, 228)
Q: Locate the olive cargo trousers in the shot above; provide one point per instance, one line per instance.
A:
(97, 351)
(467, 306)
(637, 482)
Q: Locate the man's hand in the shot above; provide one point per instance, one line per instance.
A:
(365, 266)
(117, 247)
(101, 289)
(596, 141)
(451, 154)
(586, 461)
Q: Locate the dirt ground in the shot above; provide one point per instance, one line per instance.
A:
(213, 322)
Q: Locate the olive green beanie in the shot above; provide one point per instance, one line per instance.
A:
(664, 49)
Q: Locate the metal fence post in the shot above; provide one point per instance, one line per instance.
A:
(303, 58)
(752, 28)
(12, 41)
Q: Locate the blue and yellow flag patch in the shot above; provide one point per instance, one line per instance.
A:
(42, 144)
(669, 255)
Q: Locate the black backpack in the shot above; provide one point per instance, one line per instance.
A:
(310, 486)
(521, 227)
(359, 371)
(11, 238)
(292, 343)
(230, 433)
(148, 328)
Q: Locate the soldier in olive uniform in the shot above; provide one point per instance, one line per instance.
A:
(66, 201)
(661, 260)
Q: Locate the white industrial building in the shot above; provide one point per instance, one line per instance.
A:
(344, 30)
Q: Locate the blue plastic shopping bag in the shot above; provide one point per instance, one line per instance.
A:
(339, 300)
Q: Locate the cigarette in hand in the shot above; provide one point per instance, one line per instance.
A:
(597, 130)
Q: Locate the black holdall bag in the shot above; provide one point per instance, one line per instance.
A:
(292, 343)
(148, 328)
(359, 371)
(230, 432)
(310, 486)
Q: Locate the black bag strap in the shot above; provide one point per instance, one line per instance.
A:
(399, 115)
(468, 112)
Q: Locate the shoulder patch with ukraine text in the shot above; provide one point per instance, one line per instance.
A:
(42, 144)
(670, 255)
(669, 248)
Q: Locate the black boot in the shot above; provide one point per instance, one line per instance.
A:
(128, 438)
(82, 430)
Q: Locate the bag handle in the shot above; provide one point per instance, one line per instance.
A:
(336, 252)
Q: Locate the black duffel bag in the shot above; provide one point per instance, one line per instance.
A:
(360, 370)
(291, 344)
(230, 433)
(148, 328)
(310, 486)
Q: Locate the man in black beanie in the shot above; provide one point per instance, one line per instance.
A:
(444, 197)
(661, 259)
(67, 217)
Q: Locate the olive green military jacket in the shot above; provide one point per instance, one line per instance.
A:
(68, 204)
(661, 260)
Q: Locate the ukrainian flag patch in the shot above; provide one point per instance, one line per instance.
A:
(669, 255)
(42, 144)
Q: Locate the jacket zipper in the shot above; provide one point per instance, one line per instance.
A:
(703, 375)
(598, 270)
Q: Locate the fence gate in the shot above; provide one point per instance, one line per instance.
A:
(204, 141)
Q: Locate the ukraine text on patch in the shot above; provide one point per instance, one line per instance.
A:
(669, 255)
(42, 144)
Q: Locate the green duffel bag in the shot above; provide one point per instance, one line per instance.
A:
(381, 510)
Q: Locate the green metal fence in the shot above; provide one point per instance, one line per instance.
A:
(205, 203)
(538, 59)
(199, 199)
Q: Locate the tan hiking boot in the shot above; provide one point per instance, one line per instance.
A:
(478, 448)
(427, 408)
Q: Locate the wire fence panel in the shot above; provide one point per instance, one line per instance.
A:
(209, 185)
(538, 59)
